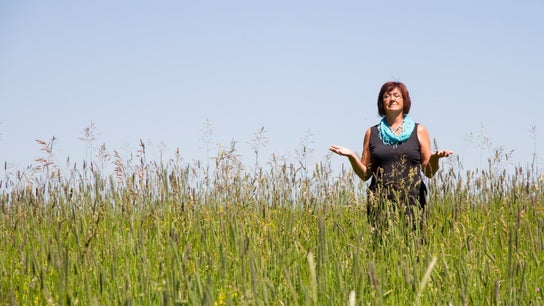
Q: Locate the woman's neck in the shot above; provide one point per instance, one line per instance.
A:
(394, 119)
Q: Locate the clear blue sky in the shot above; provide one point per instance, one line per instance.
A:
(159, 70)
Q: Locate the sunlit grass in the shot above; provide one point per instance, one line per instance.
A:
(281, 234)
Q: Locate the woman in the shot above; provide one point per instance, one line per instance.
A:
(395, 153)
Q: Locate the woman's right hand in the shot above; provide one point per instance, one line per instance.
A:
(357, 164)
(341, 150)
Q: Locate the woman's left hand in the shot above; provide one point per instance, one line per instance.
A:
(439, 154)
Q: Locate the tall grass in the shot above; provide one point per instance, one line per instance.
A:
(178, 233)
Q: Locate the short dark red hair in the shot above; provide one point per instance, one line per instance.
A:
(389, 86)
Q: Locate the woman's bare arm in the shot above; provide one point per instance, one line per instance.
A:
(360, 165)
(429, 161)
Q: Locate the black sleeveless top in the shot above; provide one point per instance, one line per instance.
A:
(396, 169)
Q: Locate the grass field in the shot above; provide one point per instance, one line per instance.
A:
(181, 233)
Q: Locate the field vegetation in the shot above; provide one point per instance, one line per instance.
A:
(138, 232)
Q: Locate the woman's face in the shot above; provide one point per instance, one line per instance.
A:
(393, 101)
